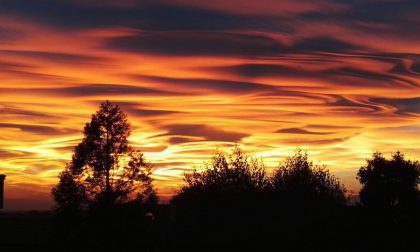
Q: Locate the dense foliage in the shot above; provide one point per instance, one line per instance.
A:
(104, 169)
(390, 183)
(300, 181)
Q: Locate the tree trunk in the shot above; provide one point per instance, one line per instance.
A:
(107, 189)
(107, 174)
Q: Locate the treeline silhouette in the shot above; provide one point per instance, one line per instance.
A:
(234, 204)
(105, 201)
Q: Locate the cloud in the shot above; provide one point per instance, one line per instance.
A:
(187, 43)
(381, 11)
(205, 85)
(301, 131)
(308, 141)
(57, 57)
(184, 132)
(407, 65)
(193, 75)
(110, 89)
(324, 44)
(345, 104)
(147, 15)
(9, 35)
(151, 112)
(17, 111)
(408, 105)
(93, 90)
(181, 140)
(267, 7)
(261, 70)
(196, 43)
(30, 75)
(6, 154)
(12, 66)
(36, 129)
(374, 78)
(136, 110)
(56, 13)
(336, 127)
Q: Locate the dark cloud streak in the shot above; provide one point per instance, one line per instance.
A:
(408, 105)
(197, 43)
(192, 84)
(53, 56)
(186, 132)
(93, 90)
(37, 129)
(301, 131)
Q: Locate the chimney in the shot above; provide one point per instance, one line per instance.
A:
(2, 177)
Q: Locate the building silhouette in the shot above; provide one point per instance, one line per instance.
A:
(2, 178)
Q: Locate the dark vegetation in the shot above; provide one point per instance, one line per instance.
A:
(105, 193)
(105, 201)
(234, 204)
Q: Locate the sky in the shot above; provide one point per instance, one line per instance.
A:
(337, 78)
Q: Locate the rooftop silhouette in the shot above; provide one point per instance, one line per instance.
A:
(2, 178)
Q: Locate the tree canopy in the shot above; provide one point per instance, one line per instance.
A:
(389, 183)
(227, 175)
(299, 180)
(104, 168)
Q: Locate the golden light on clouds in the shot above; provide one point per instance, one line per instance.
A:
(198, 76)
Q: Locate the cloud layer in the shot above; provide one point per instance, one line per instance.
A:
(339, 78)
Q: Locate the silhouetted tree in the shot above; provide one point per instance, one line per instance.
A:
(307, 203)
(298, 180)
(104, 169)
(221, 199)
(389, 183)
(69, 195)
(226, 175)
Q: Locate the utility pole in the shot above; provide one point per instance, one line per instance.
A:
(2, 178)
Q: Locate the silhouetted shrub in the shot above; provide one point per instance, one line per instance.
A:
(299, 181)
(221, 200)
(226, 178)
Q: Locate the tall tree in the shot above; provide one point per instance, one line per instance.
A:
(390, 183)
(104, 168)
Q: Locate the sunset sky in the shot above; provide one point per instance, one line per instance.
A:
(338, 78)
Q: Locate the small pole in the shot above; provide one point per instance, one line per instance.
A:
(2, 178)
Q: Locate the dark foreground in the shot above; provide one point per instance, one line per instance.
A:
(348, 229)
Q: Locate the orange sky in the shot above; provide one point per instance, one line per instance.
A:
(340, 79)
